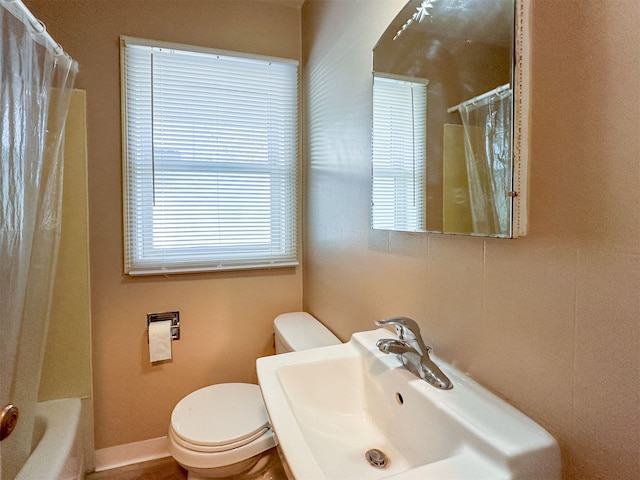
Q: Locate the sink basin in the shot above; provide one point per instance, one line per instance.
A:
(329, 406)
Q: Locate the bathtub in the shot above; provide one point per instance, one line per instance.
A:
(58, 452)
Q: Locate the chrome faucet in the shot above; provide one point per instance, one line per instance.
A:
(412, 352)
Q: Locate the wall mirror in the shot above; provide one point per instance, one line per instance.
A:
(447, 119)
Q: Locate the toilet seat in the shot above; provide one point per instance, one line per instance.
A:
(220, 417)
(216, 449)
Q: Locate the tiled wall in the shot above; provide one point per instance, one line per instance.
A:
(551, 321)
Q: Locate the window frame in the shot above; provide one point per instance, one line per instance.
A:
(138, 260)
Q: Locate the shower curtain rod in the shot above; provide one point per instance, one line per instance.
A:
(21, 12)
(495, 91)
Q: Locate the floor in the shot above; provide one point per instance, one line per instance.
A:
(168, 469)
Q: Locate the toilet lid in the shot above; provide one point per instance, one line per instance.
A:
(220, 415)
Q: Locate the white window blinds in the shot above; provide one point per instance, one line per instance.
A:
(210, 144)
(399, 153)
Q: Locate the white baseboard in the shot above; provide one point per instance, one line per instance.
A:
(130, 453)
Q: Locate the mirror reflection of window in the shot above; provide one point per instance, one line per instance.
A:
(399, 153)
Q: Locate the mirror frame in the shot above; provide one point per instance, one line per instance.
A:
(521, 106)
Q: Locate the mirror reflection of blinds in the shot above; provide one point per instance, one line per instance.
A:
(399, 153)
(210, 145)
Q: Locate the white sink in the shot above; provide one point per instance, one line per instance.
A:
(329, 406)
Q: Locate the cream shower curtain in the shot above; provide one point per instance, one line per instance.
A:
(35, 88)
(488, 151)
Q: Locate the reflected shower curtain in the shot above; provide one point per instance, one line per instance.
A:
(487, 134)
(35, 88)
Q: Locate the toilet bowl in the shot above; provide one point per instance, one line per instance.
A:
(223, 430)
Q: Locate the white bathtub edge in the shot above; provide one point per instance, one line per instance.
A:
(58, 454)
(130, 453)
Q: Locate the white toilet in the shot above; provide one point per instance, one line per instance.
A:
(223, 430)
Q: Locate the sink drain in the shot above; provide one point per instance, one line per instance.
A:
(376, 458)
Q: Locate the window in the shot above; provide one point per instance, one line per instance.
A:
(210, 145)
(399, 153)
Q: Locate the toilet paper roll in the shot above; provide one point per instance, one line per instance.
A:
(160, 341)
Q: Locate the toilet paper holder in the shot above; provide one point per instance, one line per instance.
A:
(163, 316)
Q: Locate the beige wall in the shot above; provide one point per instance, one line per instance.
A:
(226, 318)
(550, 322)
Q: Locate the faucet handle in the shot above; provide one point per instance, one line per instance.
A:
(407, 329)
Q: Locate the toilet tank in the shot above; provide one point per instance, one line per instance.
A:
(300, 331)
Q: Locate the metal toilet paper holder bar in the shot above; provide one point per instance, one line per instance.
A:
(163, 316)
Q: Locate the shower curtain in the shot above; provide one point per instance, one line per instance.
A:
(35, 87)
(487, 135)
